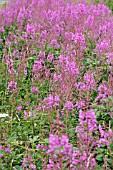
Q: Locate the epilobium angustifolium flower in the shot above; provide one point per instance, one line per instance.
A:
(57, 67)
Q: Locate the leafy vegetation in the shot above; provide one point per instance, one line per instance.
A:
(56, 68)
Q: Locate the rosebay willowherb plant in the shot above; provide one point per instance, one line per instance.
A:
(56, 62)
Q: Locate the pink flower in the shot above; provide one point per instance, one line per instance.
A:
(25, 115)
(32, 166)
(25, 71)
(0, 147)
(19, 108)
(38, 146)
(25, 160)
(2, 29)
(8, 149)
(101, 131)
(38, 65)
(69, 105)
(34, 90)
(50, 57)
(90, 81)
(30, 28)
(12, 86)
(57, 77)
(80, 104)
(54, 43)
(102, 141)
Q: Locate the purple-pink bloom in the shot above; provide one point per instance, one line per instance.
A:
(19, 108)
(34, 90)
(32, 166)
(12, 86)
(1, 147)
(54, 43)
(8, 149)
(80, 104)
(38, 146)
(50, 57)
(69, 105)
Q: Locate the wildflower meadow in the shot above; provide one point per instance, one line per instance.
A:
(56, 85)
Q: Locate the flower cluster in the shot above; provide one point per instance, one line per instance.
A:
(28, 163)
(4, 150)
(57, 57)
(59, 150)
(49, 103)
(12, 86)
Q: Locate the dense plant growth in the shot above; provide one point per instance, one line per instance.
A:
(56, 90)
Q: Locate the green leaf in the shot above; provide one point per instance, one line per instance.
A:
(99, 157)
(98, 167)
(4, 106)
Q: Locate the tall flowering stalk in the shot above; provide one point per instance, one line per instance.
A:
(57, 59)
